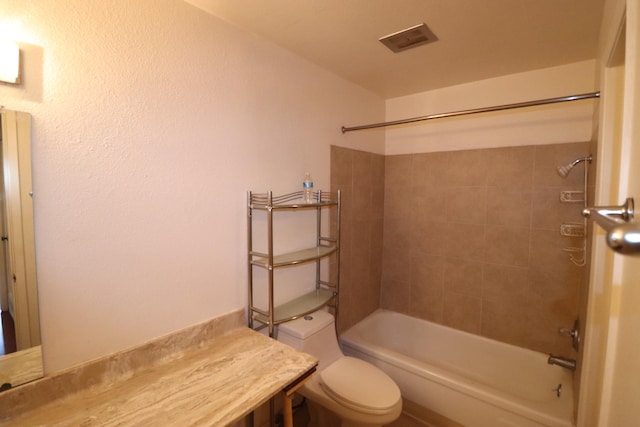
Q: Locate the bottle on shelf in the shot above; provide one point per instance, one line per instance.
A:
(307, 186)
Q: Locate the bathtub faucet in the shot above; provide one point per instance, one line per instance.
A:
(562, 361)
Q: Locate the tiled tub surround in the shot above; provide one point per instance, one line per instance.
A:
(360, 178)
(471, 239)
(210, 374)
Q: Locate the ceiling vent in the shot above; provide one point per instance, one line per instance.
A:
(409, 38)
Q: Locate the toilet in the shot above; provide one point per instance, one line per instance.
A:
(344, 391)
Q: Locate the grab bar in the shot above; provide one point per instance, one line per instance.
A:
(623, 234)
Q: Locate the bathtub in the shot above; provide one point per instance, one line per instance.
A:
(473, 380)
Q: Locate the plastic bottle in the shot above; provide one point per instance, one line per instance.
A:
(307, 186)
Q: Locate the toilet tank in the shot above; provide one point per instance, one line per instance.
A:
(314, 334)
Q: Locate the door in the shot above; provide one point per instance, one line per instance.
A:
(622, 382)
(610, 378)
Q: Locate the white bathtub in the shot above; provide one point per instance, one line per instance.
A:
(473, 380)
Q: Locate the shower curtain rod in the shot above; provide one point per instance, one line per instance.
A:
(476, 111)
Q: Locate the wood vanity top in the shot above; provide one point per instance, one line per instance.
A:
(215, 383)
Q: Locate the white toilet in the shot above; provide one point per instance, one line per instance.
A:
(344, 391)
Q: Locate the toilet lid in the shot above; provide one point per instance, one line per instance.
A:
(359, 385)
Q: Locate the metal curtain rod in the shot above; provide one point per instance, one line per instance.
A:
(476, 111)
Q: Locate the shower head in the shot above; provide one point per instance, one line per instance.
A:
(564, 170)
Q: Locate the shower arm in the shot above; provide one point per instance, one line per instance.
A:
(623, 234)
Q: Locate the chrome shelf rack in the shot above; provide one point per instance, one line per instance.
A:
(327, 245)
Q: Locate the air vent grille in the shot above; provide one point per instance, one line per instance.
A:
(415, 36)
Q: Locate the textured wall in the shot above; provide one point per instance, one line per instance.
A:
(150, 121)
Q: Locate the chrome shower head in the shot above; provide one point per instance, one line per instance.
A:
(564, 170)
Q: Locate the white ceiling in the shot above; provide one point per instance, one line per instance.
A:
(478, 39)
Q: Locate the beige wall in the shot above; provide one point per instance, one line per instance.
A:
(558, 123)
(151, 119)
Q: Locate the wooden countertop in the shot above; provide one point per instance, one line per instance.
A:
(215, 383)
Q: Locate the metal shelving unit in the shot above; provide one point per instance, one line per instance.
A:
(327, 245)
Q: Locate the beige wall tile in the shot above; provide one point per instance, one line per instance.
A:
(398, 171)
(462, 312)
(341, 166)
(465, 168)
(555, 294)
(547, 253)
(511, 167)
(398, 234)
(397, 202)
(426, 237)
(504, 322)
(506, 284)
(346, 203)
(428, 169)
(346, 317)
(362, 169)
(429, 204)
(426, 305)
(510, 207)
(549, 157)
(377, 187)
(542, 333)
(507, 245)
(427, 269)
(466, 204)
(549, 213)
(360, 177)
(361, 203)
(396, 295)
(463, 276)
(377, 242)
(464, 241)
(360, 257)
(395, 265)
(427, 287)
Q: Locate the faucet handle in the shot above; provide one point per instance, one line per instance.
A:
(574, 334)
(568, 332)
(558, 390)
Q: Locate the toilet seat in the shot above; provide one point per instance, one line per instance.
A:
(360, 386)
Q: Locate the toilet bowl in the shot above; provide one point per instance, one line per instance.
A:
(345, 391)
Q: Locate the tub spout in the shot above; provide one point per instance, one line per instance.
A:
(562, 361)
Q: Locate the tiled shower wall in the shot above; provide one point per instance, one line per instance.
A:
(471, 240)
(360, 178)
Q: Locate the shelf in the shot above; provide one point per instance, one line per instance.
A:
(307, 303)
(327, 246)
(296, 257)
(294, 200)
